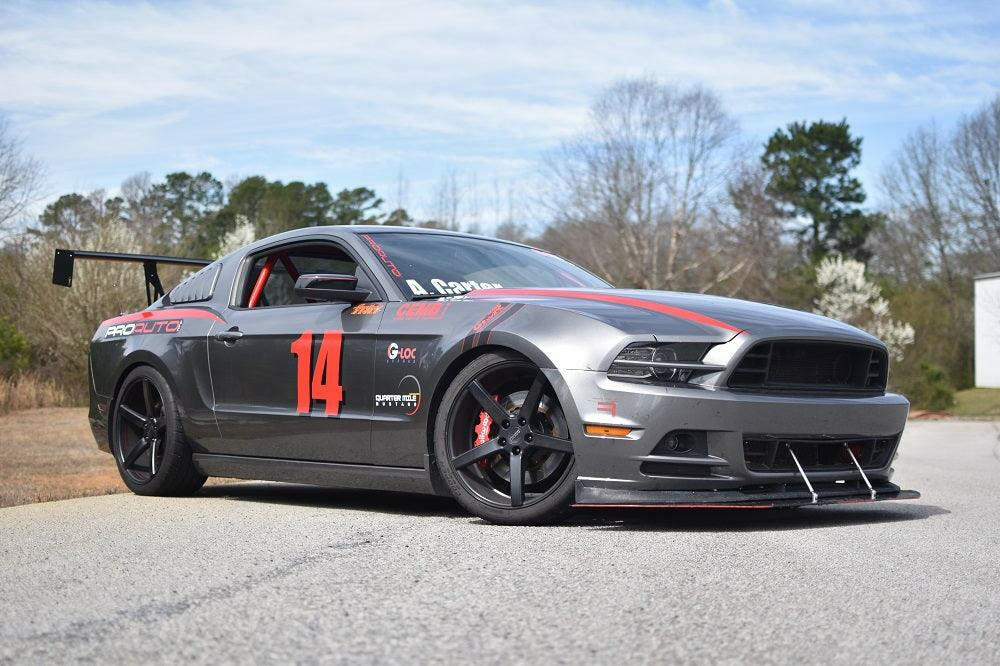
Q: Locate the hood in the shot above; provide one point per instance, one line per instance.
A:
(673, 316)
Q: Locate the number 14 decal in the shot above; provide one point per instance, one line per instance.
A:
(326, 379)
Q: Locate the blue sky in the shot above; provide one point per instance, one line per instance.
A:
(364, 93)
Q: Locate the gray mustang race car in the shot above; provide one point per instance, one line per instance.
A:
(513, 380)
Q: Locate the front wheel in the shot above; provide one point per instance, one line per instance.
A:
(147, 438)
(502, 443)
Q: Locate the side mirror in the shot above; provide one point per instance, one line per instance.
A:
(330, 287)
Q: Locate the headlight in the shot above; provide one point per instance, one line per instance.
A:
(661, 363)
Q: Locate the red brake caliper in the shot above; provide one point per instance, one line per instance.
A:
(483, 431)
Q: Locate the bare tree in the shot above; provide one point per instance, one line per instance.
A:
(20, 179)
(749, 258)
(630, 193)
(58, 321)
(944, 202)
(922, 234)
(976, 173)
(447, 201)
(139, 210)
(402, 190)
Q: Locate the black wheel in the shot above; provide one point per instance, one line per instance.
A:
(147, 438)
(502, 443)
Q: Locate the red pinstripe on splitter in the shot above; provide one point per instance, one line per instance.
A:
(152, 315)
(652, 306)
(673, 506)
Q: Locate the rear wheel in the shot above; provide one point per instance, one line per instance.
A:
(147, 438)
(502, 442)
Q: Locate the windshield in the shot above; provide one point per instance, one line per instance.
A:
(433, 265)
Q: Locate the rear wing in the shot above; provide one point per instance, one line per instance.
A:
(62, 267)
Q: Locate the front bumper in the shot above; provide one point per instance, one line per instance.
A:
(610, 470)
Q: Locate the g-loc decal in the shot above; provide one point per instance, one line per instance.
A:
(407, 397)
(397, 354)
(326, 379)
(144, 328)
(450, 288)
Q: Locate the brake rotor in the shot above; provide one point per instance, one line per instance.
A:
(539, 464)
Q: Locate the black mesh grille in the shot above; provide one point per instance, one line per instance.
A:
(764, 453)
(812, 366)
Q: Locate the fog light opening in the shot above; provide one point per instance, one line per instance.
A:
(679, 442)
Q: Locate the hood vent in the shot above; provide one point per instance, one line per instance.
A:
(811, 366)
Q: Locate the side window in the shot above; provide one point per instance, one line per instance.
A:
(272, 276)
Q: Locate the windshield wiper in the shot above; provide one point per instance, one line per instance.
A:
(427, 297)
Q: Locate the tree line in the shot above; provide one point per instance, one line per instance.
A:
(659, 190)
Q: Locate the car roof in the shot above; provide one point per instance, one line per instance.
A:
(358, 229)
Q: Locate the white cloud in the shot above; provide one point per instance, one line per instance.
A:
(253, 87)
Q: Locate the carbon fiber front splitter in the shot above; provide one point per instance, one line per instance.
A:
(597, 497)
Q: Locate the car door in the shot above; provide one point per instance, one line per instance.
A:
(293, 379)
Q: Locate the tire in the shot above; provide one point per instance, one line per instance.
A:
(147, 437)
(472, 464)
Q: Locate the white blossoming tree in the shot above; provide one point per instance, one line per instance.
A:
(242, 234)
(846, 294)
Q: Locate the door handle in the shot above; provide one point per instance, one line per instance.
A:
(232, 335)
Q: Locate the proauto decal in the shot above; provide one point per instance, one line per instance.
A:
(386, 261)
(144, 328)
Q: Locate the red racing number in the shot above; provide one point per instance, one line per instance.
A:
(325, 383)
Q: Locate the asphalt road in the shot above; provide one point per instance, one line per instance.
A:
(266, 572)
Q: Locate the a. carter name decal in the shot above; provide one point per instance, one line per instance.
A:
(453, 288)
(143, 328)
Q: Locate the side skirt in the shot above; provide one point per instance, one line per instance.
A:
(342, 475)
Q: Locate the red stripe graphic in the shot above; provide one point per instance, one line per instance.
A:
(176, 313)
(611, 298)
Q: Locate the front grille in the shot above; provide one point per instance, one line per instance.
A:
(763, 453)
(791, 365)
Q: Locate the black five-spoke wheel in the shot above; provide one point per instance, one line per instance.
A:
(147, 437)
(506, 442)
(140, 430)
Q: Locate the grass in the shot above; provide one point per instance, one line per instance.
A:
(50, 454)
(29, 392)
(977, 402)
